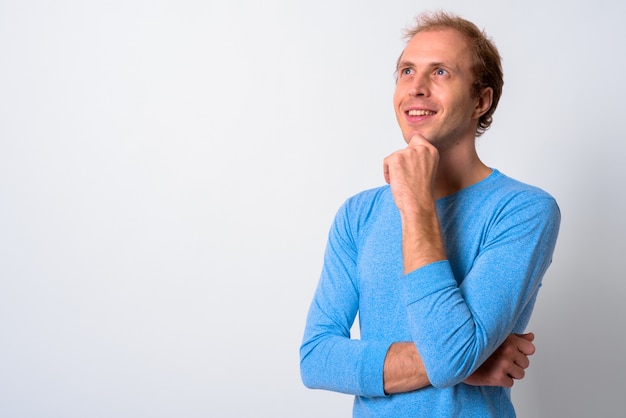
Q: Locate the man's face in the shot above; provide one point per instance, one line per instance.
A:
(433, 95)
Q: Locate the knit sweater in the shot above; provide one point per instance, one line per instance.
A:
(499, 236)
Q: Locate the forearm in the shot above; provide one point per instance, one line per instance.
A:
(421, 237)
(403, 370)
(410, 173)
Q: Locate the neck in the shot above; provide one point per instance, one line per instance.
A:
(458, 169)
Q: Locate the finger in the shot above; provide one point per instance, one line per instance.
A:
(526, 346)
(516, 372)
(417, 140)
(521, 360)
(528, 336)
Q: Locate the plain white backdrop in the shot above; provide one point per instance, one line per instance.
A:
(169, 171)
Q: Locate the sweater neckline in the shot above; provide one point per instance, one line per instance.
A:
(480, 184)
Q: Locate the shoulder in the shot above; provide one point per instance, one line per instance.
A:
(500, 203)
(498, 191)
(512, 192)
(368, 198)
(516, 202)
(359, 209)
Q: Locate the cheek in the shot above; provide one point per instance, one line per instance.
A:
(397, 101)
(396, 98)
(461, 106)
(400, 91)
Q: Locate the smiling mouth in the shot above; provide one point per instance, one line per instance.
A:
(415, 112)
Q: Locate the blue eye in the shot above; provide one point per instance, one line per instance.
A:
(407, 71)
(441, 71)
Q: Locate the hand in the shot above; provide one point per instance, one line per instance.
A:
(411, 172)
(508, 362)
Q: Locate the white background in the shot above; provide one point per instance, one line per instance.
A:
(169, 171)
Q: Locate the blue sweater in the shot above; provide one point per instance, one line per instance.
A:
(499, 235)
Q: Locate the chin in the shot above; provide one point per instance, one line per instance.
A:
(407, 138)
(408, 135)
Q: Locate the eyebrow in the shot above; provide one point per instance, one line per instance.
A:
(435, 64)
(403, 64)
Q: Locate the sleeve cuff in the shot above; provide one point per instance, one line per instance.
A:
(427, 280)
(371, 372)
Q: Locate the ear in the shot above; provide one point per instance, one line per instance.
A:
(485, 98)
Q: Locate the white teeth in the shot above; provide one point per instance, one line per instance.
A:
(420, 113)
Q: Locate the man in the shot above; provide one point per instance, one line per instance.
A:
(444, 264)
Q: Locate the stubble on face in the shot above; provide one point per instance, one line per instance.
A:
(433, 96)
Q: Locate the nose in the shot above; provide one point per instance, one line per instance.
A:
(419, 86)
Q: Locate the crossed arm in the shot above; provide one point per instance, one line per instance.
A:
(404, 371)
(411, 173)
(451, 350)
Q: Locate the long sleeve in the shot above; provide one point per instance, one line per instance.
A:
(456, 327)
(499, 236)
(329, 359)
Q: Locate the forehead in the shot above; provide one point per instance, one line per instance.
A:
(438, 45)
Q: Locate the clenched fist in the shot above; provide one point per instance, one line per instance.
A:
(411, 174)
